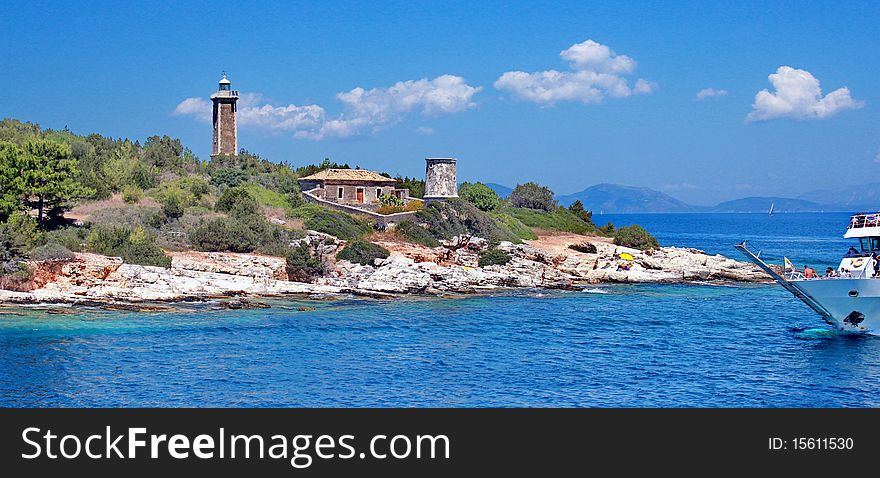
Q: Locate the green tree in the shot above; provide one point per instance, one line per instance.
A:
(173, 203)
(479, 195)
(577, 207)
(11, 185)
(49, 176)
(635, 236)
(237, 201)
(533, 196)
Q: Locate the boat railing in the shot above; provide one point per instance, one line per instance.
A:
(864, 220)
(799, 276)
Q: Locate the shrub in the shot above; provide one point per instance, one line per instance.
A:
(295, 199)
(223, 234)
(144, 176)
(132, 194)
(229, 177)
(362, 252)
(173, 203)
(335, 223)
(479, 195)
(73, 238)
(585, 247)
(21, 232)
(416, 233)
(52, 252)
(387, 200)
(302, 266)
(196, 185)
(133, 245)
(635, 237)
(453, 217)
(390, 209)
(607, 230)
(493, 256)
(533, 196)
(237, 202)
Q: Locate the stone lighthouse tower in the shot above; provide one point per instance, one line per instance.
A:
(225, 130)
(440, 181)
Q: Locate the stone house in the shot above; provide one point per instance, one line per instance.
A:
(356, 187)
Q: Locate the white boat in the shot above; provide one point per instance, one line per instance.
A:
(850, 300)
(771, 208)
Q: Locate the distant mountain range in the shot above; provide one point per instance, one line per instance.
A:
(615, 198)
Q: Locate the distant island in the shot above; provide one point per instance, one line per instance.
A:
(615, 198)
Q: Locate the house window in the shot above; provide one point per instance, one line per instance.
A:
(378, 192)
(339, 193)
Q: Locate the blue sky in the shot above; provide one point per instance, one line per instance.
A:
(383, 85)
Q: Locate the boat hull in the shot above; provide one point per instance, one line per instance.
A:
(854, 304)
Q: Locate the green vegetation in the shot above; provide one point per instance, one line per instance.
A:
(493, 256)
(133, 245)
(558, 219)
(635, 237)
(237, 201)
(577, 208)
(451, 218)
(51, 252)
(479, 195)
(532, 196)
(416, 234)
(416, 186)
(267, 197)
(362, 252)
(339, 224)
(132, 194)
(515, 226)
(224, 234)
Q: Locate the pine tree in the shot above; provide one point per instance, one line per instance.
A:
(48, 176)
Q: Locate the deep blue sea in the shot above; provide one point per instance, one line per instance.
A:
(610, 346)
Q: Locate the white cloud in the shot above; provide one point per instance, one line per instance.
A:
(710, 93)
(594, 56)
(596, 72)
(798, 95)
(877, 157)
(424, 131)
(199, 108)
(365, 110)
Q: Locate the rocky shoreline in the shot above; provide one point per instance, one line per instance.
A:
(452, 268)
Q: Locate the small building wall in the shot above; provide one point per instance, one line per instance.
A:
(371, 190)
(382, 221)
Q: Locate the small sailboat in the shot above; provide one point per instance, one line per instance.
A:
(771, 208)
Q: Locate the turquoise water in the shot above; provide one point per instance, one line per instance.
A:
(647, 345)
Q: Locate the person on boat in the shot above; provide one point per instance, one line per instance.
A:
(809, 273)
(876, 264)
(852, 252)
(829, 273)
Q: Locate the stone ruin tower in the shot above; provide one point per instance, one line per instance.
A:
(440, 181)
(225, 130)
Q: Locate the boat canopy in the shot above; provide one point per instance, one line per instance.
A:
(864, 225)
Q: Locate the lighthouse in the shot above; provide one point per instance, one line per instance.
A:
(225, 130)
